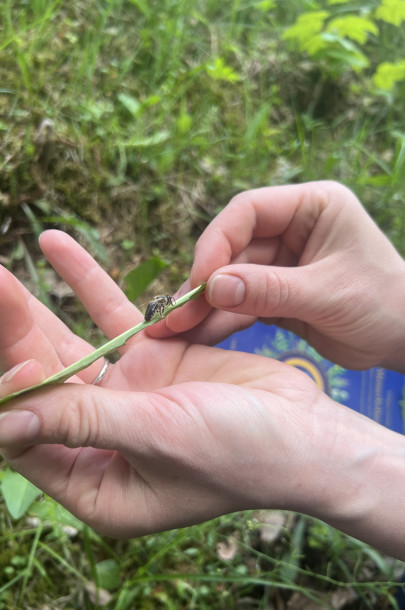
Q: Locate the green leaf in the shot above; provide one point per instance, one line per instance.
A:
(388, 74)
(108, 574)
(353, 27)
(257, 125)
(344, 52)
(306, 27)
(47, 509)
(138, 279)
(400, 156)
(18, 493)
(144, 142)
(143, 7)
(266, 5)
(184, 123)
(218, 70)
(391, 11)
(378, 180)
(314, 45)
(130, 103)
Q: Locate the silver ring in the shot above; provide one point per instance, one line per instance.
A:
(101, 373)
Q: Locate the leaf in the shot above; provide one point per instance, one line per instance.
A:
(353, 27)
(108, 574)
(391, 11)
(218, 70)
(400, 157)
(144, 142)
(138, 279)
(306, 27)
(388, 74)
(18, 493)
(184, 123)
(130, 103)
(266, 5)
(257, 125)
(344, 52)
(143, 7)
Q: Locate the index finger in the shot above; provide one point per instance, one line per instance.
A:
(285, 212)
(103, 299)
(270, 226)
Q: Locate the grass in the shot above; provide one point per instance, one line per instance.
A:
(161, 111)
(56, 560)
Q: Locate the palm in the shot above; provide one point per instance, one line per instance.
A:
(178, 393)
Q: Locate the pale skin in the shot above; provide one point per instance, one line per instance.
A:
(179, 432)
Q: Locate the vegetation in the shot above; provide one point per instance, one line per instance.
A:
(122, 120)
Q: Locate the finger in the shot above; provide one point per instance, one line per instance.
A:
(272, 292)
(75, 415)
(288, 211)
(217, 327)
(20, 336)
(103, 299)
(65, 440)
(66, 452)
(183, 318)
(28, 329)
(264, 226)
(21, 376)
(260, 252)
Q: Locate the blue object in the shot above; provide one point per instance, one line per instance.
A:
(376, 393)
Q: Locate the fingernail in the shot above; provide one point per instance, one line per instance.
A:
(10, 374)
(18, 428)
(226, 291)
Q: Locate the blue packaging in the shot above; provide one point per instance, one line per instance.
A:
(376, 393)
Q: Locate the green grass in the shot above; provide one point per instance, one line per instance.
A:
(52, 558)
(162, 110)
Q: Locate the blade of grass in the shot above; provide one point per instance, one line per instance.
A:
(107, 348)
(31, 559)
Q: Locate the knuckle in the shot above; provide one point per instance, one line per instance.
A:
(270, 294)
(333, 188)
(78, 424)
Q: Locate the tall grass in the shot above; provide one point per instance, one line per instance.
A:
(164, 110)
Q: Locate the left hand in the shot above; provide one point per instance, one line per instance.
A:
(176, 433)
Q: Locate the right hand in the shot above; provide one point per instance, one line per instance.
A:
(309, 259)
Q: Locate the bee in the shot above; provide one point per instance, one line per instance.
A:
(157, 306)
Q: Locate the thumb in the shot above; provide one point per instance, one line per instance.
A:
(262, 291)
(74, 415)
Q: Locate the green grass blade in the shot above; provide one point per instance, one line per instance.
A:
(105, 349)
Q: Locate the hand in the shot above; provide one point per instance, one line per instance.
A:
(176, 434)
(309, 259)
(180, 433)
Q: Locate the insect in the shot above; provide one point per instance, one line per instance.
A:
(157, 305)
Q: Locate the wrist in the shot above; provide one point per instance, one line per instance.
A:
(356, 479)
(393, 321)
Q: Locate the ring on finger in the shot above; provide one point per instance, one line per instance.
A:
(101, 373)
